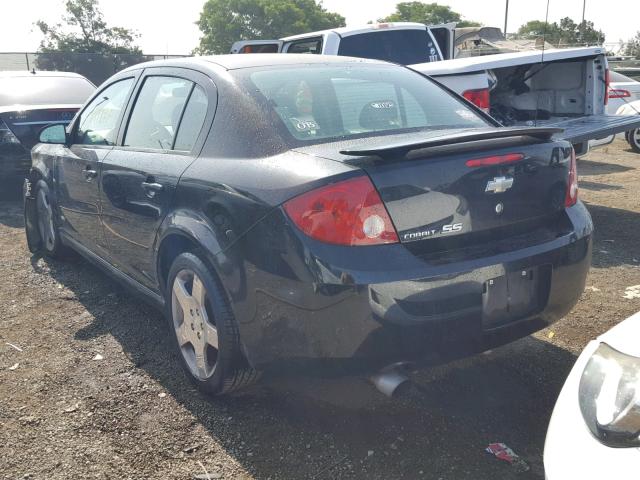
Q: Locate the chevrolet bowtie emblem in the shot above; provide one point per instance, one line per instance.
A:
(499, 184)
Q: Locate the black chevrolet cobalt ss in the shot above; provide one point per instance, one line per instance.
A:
(312, 213)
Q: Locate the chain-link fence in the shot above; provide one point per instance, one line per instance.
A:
(96, 67)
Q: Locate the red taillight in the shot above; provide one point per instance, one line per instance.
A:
(607, 81)
(344, 213)
(572, 182)
(495, 160)
(479, 97)
(619, 93)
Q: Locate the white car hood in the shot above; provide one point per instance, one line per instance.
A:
(624, 336)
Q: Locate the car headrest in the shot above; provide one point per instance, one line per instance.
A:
(379, 115)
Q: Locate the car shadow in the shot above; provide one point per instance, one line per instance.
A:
(591, 167)
(336, 428)
(615, 236)
(598, 187)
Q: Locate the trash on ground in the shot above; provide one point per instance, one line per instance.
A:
(551, 334)
(72, 408)
(14, 366)
(593, 289)
(162, 394)
(14, 346)
(98, 357)
(502, 452)
(632, 292)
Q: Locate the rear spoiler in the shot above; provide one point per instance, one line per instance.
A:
(399, 149)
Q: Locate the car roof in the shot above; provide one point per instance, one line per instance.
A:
(252, 60)
(37, 73)
(353, 30)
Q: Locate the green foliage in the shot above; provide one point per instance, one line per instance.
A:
(428, 13)
(85, 31)
(83, 43)
(632, 47)
(223, 22)
(565, 33)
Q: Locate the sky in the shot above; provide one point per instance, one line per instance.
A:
(167, 27)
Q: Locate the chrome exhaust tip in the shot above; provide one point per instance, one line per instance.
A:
(389, 380)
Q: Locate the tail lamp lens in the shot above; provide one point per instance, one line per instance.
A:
(344, 213)
(495, 160)
(479, 97)
(607, 82)
(572, 182)
(619, 93)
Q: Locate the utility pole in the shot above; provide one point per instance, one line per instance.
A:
(506, 15)
(584, 7)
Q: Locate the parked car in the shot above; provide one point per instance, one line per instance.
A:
(594, 431)
(632, 136)
(28, 102)
(624, 99)
(565, 88)
(309, 212)
(622, 90)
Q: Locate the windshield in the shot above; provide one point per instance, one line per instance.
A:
(44, 90)
(405, 47)
(338, 102)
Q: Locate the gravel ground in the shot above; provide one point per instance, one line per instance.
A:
(88, 388)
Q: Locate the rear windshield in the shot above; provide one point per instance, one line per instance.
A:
(405, 47)
(42, 90)
(327, 102)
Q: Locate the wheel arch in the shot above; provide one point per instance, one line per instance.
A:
(183, 231)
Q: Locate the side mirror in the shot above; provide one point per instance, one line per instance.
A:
(55, 133)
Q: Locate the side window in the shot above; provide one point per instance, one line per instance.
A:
(98, 122)
(156, 113)
(311, 45)
(192, 120)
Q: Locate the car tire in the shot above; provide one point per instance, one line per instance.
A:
(633, 137)
(203, 328)
(49, 240)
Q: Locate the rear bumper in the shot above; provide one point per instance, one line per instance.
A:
(308, 304)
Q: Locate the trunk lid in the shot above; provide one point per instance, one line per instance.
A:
(25, 122)
(434, 196)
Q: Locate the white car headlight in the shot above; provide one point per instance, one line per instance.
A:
(610, 397)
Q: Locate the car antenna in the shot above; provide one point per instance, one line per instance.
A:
(544, 42)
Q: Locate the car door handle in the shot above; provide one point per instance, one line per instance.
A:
(153, 186)
(89, 174)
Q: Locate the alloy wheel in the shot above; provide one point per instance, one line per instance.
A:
(45, 219)
(194, 324)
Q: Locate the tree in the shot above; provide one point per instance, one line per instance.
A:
(223, 22)
(428, 13)
(565, 33)
(632, 47)
(83, 31)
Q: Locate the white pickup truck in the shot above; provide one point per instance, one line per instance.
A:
(566, 88)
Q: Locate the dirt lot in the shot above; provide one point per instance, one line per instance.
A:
(92, 392)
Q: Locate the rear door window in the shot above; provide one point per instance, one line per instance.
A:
(98, 123)
(192, 120)
(308, 45)
(154, 120)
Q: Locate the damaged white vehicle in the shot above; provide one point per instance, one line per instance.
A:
(566, 88)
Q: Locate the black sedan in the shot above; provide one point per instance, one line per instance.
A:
(310, 213)
(28, 102)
